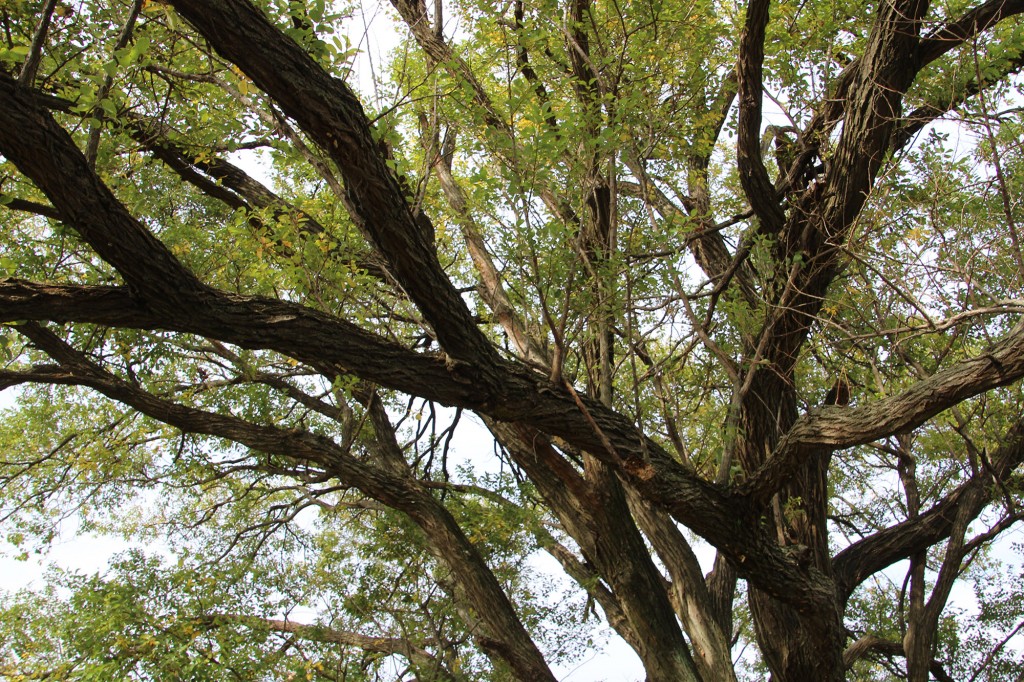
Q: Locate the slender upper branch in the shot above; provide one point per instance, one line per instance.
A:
(757, 185)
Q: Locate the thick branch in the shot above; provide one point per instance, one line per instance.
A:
(930, 48)
(43, 151)
(872, 554)
(421, 658)
(33, 207)
(35, 53)
(971, 24)
(216, 177)
(691, 597)
(515, 394)
(916, 120)
(595, 515)
(843, 427)
(757, 185)
(326, 343)
(869, 644)
(506, 638)
(328, 111)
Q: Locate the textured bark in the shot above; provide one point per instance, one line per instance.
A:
(619, 489)
(593, 511)
(44, 152)
(803, 646)
(939, 42)
(501, 634)
(869, 644)
(326, 341)
(956, 33)
(838, 427)
(691, 596)
(756, 184)
(331, 115)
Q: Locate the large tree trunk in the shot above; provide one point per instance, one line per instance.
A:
(799, 641)
(798, 647)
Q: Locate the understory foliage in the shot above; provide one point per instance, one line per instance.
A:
(697, 322)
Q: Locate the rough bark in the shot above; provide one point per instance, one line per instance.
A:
(593, 512)
(692, 598)
(323, 341)
(814, 230)
(769, 525)
(330, 114)
(501, 634)
(758, 187)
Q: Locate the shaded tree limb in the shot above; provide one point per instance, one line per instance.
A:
(838, 428)
(757, 186)
(930, 47)
(869, 644)
(920, 117)
(504, 638)
(85, 203)
(955, 33)
(594, 514)
(691, 596)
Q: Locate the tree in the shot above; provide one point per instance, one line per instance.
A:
(746, 277)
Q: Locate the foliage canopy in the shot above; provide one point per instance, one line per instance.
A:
(724, 279)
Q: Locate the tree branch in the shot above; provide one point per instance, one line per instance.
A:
(916, 120)
(334, 346)
(843, 427)
(43, 151)
(328, 111)
(27, 76)
(930, 48)
(505, 637)
(757, 186)
(877, 551)
(971, 24)
(425, 662)
(869, 644)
